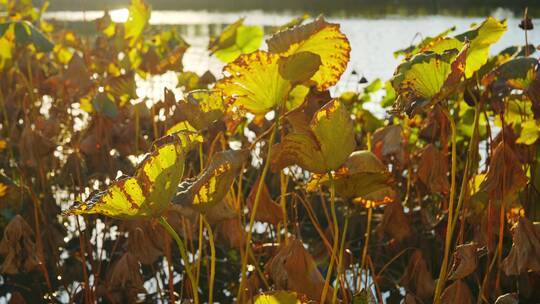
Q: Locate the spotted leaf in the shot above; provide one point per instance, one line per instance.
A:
(149, 191)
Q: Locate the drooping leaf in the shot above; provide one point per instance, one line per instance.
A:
(523, 256)
(465, 261)
(427, 79)
(235, 40)
(322, 145)
(433, 170)
(318, 37)
(362, 176)
(18, 248)
(211, 185)
(150, 190)
(457, 292)
(268, 210)
(293, 268)
(417, 277)
(395, 223)
(505, 177)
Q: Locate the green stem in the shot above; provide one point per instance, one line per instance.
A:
(253, 213)
(448, 239)
(340, 259)
(183, 253)
(336, 238)
(366, 243)
(212, 260)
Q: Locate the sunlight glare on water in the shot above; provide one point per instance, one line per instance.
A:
(119, 15)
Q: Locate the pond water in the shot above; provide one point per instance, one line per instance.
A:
(373, 40)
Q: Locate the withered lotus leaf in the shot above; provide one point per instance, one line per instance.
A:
(231, 233)
(465, 261)
(318, 37)
(320, 147)
(417, 277)
(268, 210)
(457, 292)
(428, 78)
(18, 248)
(293, 268)
(524, 255)
(505, 177)
(394, 222)
(362, 175)
(211, 185)
(125, 280)
(202, 107)
(388, 143)
(146, 241)
(433, 169)
(149, 192)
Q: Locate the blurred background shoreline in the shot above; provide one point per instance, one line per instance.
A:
(338, 8)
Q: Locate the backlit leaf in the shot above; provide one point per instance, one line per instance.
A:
(235, 40)
(279, 297)
(427, 79)
(139, 15)
(481, 38)
(529, 132)
(321, 146)
(318, 37)
(150, 190)
(253, 83)
(211, 185)
(202, 107)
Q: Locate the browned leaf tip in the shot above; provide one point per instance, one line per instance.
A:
(18, 248)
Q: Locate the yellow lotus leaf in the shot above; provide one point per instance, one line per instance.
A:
(201, 108)
(481, 38)
(212, 185)
(427, 79)
(318, 37)
(322, 145)
(149, 191)
(278, 297)
(254, 82)
(139, 15)
(363, 176)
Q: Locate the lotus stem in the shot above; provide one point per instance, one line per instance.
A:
(212, 260)
(183, 253)
(254, 212)
(448, 239)
(335, 238)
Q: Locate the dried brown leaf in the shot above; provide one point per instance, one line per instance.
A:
(417, 277)
(18, 248)
(524, 255)
(293, 268)
(457, 292)
(465, 261)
